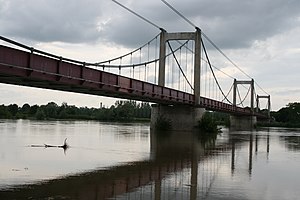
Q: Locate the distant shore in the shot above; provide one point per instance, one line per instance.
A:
(130, 111)
(121, 111)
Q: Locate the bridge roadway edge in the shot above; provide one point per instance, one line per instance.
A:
(28, 69)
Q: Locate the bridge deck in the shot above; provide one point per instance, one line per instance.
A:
(25, 68)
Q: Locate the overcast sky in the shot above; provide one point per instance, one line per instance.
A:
(260, 36)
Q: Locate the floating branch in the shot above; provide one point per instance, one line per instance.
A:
(64, 146)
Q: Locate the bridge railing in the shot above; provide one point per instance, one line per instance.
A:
(71, 71)
(17, 63)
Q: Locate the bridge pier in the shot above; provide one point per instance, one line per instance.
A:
(242, 123)
(180, 117)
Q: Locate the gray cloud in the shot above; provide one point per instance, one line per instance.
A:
(48, 21)
(234, 24)
(287, 92)
(261, 36)
(128, 32)
(230, 23)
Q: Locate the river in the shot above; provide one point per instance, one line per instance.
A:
(126, 161)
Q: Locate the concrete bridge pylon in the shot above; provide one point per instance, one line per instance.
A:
(243, 122)
(268, 97)
(183, 118)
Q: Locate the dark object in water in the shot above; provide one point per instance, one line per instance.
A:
(64, 146)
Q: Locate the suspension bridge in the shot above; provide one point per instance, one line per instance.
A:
(172, 70)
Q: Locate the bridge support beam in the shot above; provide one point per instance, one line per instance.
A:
(269, 104)
(242, 123)
(179, 117)
(238, 122)
(251, 83)
(164, 38)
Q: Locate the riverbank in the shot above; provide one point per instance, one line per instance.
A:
(128, 111)
(279, 124)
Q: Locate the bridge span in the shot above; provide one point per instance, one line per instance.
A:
(28, 69)
(36, 68)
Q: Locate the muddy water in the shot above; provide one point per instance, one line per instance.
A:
(126, 161)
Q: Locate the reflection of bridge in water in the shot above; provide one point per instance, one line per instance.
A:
(181, 167)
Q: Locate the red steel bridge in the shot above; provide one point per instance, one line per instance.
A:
(136, 75)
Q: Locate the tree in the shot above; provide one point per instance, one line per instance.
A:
(4, 113)
(125, 110)
(289, 115)
(121, 111)
(33, 110)
(40, 115)
(13, 109)
(25, 108)
(208, 124)
(51, 110)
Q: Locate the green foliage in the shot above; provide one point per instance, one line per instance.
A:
(50, 110)
(4, 113)
(208, 123)
(221, 118)
(291, 113)
(124, 110)
(13, 109)
(25, 109)
(33, 110)
(40, 115)
(121, 111)
(288, 116)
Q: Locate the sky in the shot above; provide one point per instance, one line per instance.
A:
(261, 36)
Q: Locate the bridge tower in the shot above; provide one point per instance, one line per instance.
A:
(242, 122)
(181, 117)
(269, 103)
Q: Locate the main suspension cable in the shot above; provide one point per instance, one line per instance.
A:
(130, 53)
(210, 41)
(213, 72)
(228, 92)
(136, 14)
(133, 65)
(178, 13)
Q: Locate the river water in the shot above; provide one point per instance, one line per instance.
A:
(126, 161)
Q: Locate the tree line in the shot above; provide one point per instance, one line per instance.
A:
(120, 111)
(288, 116)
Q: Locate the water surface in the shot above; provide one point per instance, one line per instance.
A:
(93, 145)
(126, 161)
